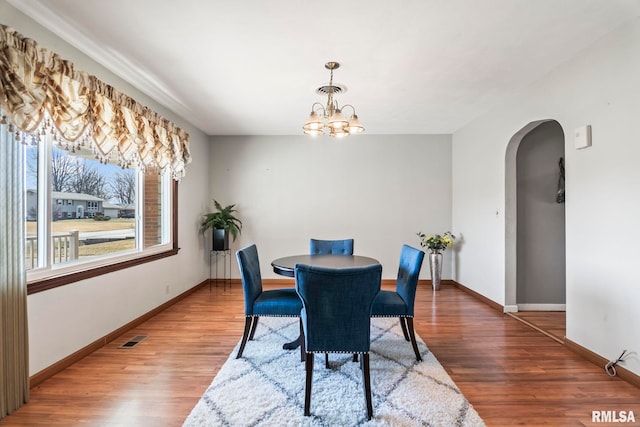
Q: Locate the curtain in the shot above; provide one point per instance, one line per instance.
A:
(14, 352)
(40, 91)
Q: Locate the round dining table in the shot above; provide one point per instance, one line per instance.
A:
(286, 266)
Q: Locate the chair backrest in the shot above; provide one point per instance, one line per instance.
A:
(408, 272)
(336, 313)
(342, 247)
(249, 265)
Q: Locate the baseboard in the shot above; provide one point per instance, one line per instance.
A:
(39, 377)
(285, 282)
(542, 307)
(427, 282)
(621, 372)
(223, 282)
(491, 303)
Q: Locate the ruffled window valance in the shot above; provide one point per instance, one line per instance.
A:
(38, 87)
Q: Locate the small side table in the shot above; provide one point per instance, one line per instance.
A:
(214, 258)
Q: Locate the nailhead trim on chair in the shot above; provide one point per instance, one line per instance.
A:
(388, 315)
(337, 352)
(272, 315)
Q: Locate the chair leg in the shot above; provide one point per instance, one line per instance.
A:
(355, 357)
(254, 325)
(403, 325)
(247, 325)
(307, 389)
(366, 379)
(412, 334)
(326, 360)
(303, 351)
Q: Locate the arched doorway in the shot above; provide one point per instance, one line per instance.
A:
(535, 223)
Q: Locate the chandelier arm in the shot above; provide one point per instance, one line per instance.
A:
(316, 107)
(351, 106)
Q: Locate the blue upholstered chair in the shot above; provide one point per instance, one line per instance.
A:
(340, 247)
(400, 303)
(336, 316)
(274, 303)
(337, 247)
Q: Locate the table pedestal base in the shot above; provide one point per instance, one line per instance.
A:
(292, 345)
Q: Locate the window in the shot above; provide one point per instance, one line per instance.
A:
(86, 217)
(89, 117)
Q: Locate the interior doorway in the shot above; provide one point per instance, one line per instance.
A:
(535, 227)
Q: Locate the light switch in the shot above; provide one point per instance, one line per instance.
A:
(582, 137)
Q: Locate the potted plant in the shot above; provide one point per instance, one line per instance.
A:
(436, 244)
(223, 222)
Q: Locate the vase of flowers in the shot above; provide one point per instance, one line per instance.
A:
(436, 244)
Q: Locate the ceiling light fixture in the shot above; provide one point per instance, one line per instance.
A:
(330, 116)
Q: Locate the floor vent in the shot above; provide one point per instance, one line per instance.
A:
(133, 341)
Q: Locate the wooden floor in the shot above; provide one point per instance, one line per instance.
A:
(553, 323)
(512, 374)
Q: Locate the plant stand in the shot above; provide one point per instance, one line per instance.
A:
(214, 257)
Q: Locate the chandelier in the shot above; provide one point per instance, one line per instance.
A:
(330, 116)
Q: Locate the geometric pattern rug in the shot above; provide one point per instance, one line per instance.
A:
(266, 386)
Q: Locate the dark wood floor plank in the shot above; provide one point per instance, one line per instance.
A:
(512, 374)
(551, 322)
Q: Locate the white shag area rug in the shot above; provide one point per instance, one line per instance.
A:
(266, 386)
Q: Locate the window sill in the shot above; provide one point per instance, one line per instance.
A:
(66, 278)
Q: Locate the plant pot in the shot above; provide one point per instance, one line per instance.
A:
(435, 266)
(220, 239)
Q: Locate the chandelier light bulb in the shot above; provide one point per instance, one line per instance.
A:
(339, 133)
(354, 125)
(337, 120)
(314, 122)
(314, 132)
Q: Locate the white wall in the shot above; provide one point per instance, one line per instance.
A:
(599, 87)
(380, 190)
(65, 319)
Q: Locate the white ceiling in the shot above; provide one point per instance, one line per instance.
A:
(251, 67)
